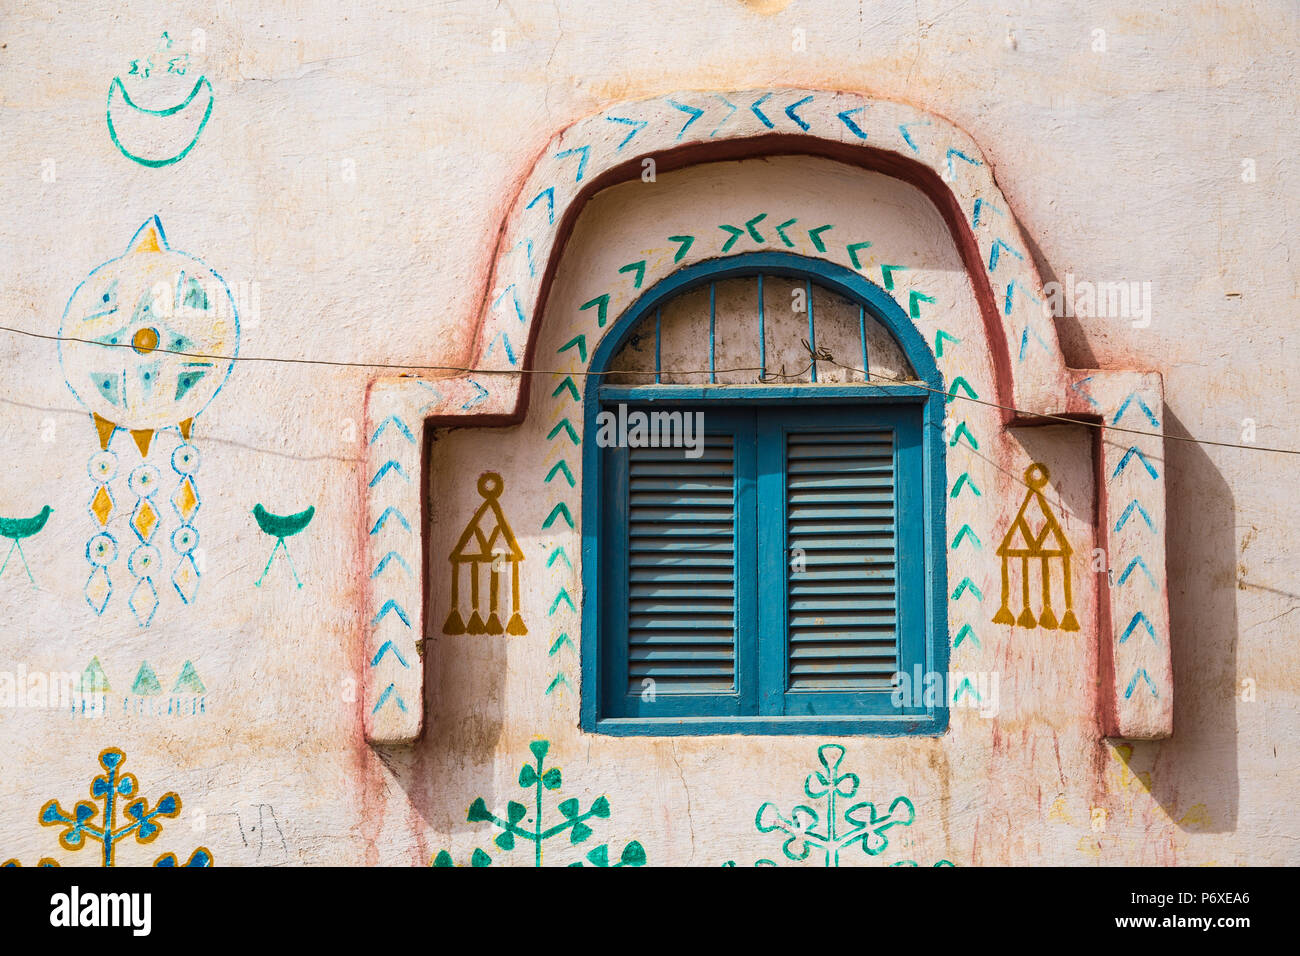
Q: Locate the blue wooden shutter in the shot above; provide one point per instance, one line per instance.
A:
(841, 560)
(681, 569)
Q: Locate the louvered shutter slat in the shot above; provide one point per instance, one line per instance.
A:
(841, 598)
(681, 569)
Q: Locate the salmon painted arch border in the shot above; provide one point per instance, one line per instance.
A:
(688, 128)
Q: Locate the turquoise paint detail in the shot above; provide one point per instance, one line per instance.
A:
(601, 302)
(1150, 415)
(390, 466)
(907, 137)
(561, 510)
(684, 244)
(579, 342)
(561, 467)
(116, 86)
(574, 821)
(392, 511)
(1132, 684)
(1137, 562)
(816, 236)
(732, 107)
(693, 111)
(1132, 506)
(566, 426)
(398, 424)
(799, 120)
(854, 128)
(512, 291)
(110, 386)
(1129, 455)
(583, 152)
(762, 117)
(853, 248)
(780, 231)
(549, 195)
(636, 267)
(390, 605)
(388, 558)
(637, 126)
(569, 385)
(1139, 618)
(825, 828)
(995, 253)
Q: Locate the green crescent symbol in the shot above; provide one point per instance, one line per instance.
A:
(117, 86)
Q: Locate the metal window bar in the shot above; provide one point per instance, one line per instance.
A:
(862, 335)
(812, 328)
(713, 315)
(658, 339)
(762, 334)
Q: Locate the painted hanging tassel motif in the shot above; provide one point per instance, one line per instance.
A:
(487, 545)
(149, 338)
(1036, 550)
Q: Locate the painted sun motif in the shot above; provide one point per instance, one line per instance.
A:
(129, 319)
(147, 341)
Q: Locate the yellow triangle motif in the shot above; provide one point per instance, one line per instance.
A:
(149, 241)
(142, 438)
(105, 429)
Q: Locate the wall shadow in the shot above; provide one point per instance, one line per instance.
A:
(1198, 764)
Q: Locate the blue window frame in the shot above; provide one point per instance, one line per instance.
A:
(774, 584)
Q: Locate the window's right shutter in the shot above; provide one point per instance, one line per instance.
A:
(841, 560)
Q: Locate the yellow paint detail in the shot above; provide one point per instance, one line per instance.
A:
(145, 341)
(105, 429)
(142, 439)
(186, 500)
(145, 520)
(1041, 547)
(102, 505)
(149, 241)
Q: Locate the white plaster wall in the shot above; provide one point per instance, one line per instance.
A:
(357, 167)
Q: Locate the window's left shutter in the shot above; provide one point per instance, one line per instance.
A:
(681, 622)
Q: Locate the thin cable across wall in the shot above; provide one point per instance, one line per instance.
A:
(816, 355)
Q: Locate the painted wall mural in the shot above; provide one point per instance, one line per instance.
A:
(280, 527)
(1020, 365)
(1037, 540)
(15, 530)
(148, 340)
(827, 829)
(518, 827)
(156, 136)
(133, 818)
(487, 546)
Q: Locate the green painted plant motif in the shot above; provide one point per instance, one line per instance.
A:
(518, 826)
(809, 831)
(477, 859)
(137, 818)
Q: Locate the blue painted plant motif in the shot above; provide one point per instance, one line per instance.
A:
(820, 829)
(97, 820)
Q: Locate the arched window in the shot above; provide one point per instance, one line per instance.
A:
(763, 544)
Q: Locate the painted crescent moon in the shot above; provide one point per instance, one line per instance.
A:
(163, 133)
